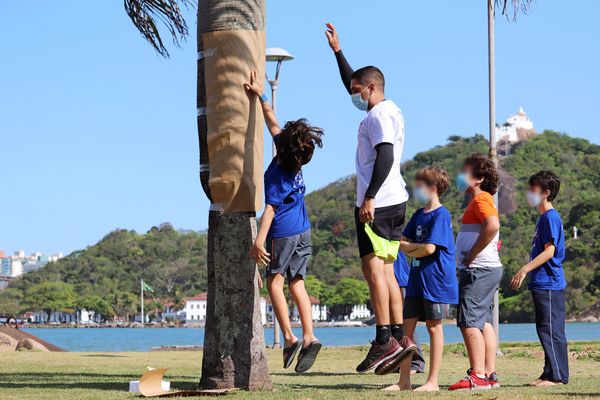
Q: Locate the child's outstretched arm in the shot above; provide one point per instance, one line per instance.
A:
(255, 87)
(537, 262)
(258, 252)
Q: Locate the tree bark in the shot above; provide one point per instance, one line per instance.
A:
(234, 347)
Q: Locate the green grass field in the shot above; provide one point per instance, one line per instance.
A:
(30, 375)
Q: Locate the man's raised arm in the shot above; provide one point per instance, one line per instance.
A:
(343, 65)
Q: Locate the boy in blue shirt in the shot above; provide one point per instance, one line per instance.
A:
(547, 279)
(432, 284)
(285, 228)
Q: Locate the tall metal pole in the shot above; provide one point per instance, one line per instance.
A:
(142, 300)
(274, 84)
(492, 127)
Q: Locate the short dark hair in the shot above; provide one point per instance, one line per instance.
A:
(483, 168)
(546, 180)
(296, 143)
(433, 176)
(366, 75)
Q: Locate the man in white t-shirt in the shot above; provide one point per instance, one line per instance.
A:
(380, 207)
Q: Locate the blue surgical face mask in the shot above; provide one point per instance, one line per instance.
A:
(421, 194)
(462, 182)
(534, 199)
(357, 100)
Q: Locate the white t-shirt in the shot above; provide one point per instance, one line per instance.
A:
(384, 123)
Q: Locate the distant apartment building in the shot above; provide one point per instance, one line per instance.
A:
(19, 263)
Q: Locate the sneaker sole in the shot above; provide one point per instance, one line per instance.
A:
(495, 385)
(474, 389)
(394, 365)
(377, 364)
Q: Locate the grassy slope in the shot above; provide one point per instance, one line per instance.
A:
(105, 376)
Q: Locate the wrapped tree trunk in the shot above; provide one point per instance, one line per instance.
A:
(231, 42)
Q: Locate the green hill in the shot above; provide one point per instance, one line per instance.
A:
(106, 276)
(576, 161)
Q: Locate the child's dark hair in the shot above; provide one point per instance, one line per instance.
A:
(296, 144)
(433, 176)
(546, 180)
(483, 168)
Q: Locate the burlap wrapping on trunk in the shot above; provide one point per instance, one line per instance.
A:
(234, 119)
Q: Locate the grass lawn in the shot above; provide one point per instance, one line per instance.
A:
(31, 375)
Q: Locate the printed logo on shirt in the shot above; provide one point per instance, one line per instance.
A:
(422, 233)
(299, 183)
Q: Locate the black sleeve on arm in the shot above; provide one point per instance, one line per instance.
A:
(383, 165)
(345, 69)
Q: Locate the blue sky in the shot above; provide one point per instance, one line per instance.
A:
(97, 132)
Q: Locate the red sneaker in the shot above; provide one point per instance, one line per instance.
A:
(471, 382)
(494, 381)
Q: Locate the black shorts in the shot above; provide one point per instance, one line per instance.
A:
(289, 255)
(423, 309)
(388, 223)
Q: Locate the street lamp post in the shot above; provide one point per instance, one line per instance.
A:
(493, 154)
(277, 55)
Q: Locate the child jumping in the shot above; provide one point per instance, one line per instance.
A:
(285, 228)
(547, 279)
(432, 285)
(480, 271)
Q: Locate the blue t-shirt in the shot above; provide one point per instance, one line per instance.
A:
(433, 277)
(285, 190)
(550, 275)
(401, 269)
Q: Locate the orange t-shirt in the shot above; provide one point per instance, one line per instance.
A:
(480, 208)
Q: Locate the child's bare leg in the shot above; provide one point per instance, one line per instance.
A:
(491, 347)
(275, 286)
(404, 381)
(475, 349)
(436, 340)
(302, 301)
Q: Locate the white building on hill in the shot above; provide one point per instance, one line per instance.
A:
(516, 128)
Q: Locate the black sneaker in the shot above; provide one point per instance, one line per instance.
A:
(378, 354)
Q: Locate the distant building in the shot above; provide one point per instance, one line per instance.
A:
(18, 264)
(195, 309)
(518, 127)
(319, 311)
(360, 311)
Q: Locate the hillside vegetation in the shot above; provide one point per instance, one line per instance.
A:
(106, 276)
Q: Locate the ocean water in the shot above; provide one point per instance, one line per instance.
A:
(129, 339)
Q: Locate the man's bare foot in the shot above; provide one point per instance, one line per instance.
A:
(548, 384)
(428, 387)
(397, 387)
(536, 382)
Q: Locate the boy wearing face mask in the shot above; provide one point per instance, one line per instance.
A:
(380, 206)
(480, 271)
(432, 285)
(547, 279)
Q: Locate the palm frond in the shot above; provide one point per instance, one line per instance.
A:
(511, 8)
(146, 14)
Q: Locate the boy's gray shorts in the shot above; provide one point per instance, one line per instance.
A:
(477, 287)
(289, 255)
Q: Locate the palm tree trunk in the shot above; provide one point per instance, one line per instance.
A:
(230, 39)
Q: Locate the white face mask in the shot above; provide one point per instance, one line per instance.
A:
(357, 100)
(533, 199)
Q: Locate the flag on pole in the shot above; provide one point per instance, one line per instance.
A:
(146, 287)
